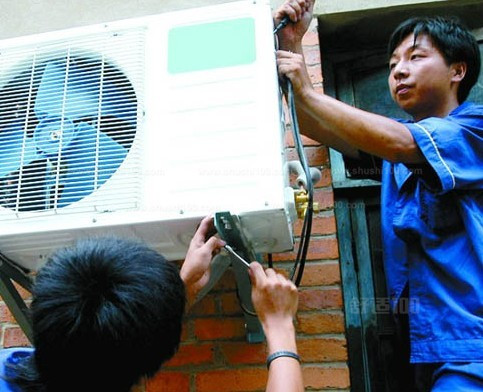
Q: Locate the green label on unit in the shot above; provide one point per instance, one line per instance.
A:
(214, 45)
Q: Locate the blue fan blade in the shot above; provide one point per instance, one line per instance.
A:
(119, 100)
(11, 142)
(79, 172)
(79, 99)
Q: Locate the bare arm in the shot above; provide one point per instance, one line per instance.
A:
(311, 126)
(275, 299)
(342, 126)
(327, 120)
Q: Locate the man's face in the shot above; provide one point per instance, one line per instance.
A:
(420, 81)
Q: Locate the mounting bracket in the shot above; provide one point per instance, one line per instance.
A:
(227, 227)
(228, 230)
(10, 272)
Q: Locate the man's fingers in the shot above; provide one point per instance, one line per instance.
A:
(294, 9)
(297, 11)
(204, 228)
(286, 10)
(310, 5)
(257, 273)
(214, 244)
(284, 54)
(281, 278)
(270, 273)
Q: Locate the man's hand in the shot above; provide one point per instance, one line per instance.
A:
(275, 299)
(300, 14)
(292, 66)
(195, 271)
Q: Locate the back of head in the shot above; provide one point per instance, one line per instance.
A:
(105, 313)
(454, 41)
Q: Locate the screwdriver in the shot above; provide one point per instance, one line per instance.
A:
(230, 250)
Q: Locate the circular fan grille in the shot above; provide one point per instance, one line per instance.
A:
(66, 125)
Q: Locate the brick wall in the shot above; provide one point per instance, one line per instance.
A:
(214, 355)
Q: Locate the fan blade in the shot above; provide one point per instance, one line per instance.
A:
(80, 99)
(11, 147)
(119, 99)
(79, 175)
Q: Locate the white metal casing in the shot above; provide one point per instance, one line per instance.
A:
(207, 140)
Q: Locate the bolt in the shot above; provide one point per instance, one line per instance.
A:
(55, 135)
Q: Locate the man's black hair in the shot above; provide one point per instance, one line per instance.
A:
(454, 41)
(105, 313)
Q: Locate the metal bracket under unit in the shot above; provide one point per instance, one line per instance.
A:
(8, 292)
(227, 227)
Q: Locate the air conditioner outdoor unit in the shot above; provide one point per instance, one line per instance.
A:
(140, 128)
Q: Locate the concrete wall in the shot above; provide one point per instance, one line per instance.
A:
(21, 17)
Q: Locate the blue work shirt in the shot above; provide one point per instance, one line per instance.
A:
(432, 230)
(12, 355)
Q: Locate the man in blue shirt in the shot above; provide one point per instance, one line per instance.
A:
(432, 178)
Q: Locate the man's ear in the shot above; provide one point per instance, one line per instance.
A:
(458, 71)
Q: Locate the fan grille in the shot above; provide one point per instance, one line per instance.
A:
(70, 114)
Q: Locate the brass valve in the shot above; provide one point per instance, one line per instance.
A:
(302, 203)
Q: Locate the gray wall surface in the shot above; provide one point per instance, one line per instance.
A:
(22, 17)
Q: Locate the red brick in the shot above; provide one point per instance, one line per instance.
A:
(322, 349)
(230, 305)
(246, 353)
(206, 306)
(325, 178)
(321, 225)
(26, 295)
(310, 38)
(325, 198)
(215, 328)
(14, 337)
(5, 315)
(306, 141)
(192, 354)
(186, 330)
(314, 299)
(226, 282)
(318, 274)
(315, 74)
(319, 249)
(323, 377)
(168, 381)
(312, 55)
(232, 380)
(316, 323)
(316, 156)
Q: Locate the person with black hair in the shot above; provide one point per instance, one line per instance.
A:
(431, 184)
(108, 311)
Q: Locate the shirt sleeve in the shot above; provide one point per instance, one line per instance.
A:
(453, 147)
